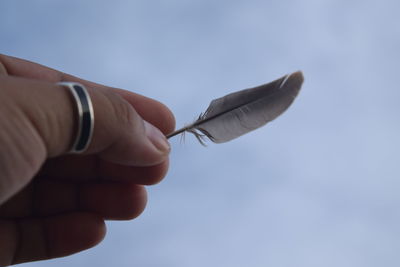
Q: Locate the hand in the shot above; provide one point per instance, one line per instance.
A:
(53, 204)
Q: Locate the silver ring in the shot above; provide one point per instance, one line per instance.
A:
(85, 116)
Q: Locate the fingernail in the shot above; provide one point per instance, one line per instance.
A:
(157, 137)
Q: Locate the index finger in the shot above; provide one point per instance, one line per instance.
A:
(149, 109)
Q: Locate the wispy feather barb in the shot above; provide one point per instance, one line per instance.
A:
(240, 112)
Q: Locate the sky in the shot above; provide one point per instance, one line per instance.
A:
(319, 186)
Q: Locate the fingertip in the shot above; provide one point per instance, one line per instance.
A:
(95, 232)
(167, 121)
(141, 152)
(136, 201)
(120, 134)
(150, 110)
(157, 138)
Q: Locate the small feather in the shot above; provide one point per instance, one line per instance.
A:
(240, 112)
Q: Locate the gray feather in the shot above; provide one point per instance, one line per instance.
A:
(240, 112)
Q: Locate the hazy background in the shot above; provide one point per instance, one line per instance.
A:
(317, 187)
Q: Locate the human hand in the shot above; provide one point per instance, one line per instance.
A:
(53, 204)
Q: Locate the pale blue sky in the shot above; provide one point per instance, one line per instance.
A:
(317, 187)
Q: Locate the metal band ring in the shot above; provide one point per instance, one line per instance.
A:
(85, 116)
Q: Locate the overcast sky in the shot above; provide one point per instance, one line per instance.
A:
(317, 187)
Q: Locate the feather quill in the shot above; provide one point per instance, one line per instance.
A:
(238, 113)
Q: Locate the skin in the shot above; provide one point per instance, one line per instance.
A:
(52, 203)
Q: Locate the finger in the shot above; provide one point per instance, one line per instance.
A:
(46, 238)
(150, 110)
(157, 113)
(27, 69)
(114, 201)
(89, 168)
(111, 201)
(120, 135)
(138, 175)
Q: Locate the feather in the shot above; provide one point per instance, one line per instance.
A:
(240, 112)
